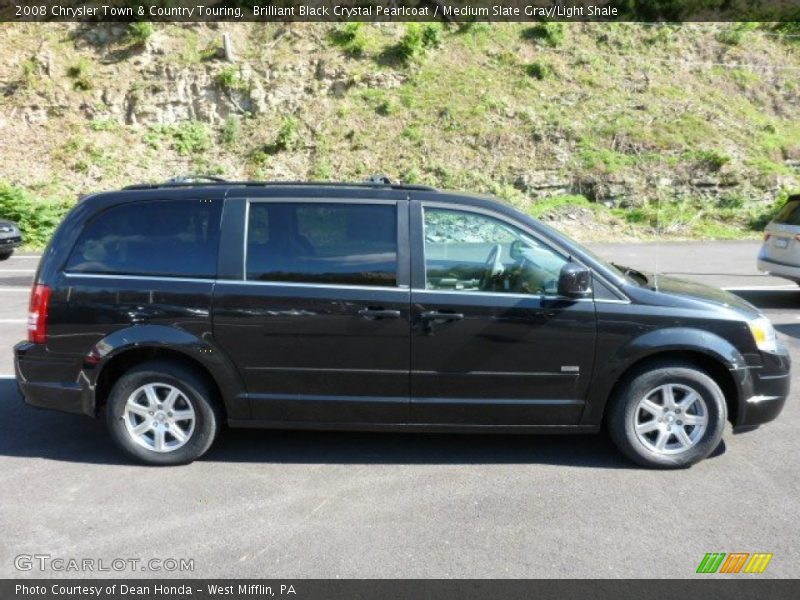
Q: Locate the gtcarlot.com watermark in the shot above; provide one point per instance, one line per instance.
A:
(62, 564)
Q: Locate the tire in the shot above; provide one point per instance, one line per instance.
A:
(141, 423)
(6, 255)
(646, 393)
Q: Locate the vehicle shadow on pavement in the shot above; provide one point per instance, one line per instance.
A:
(28, 432)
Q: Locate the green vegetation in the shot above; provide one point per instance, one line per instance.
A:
(538, 70)
(36, 217)
(232, 130)
(627, 125)
(288, 137)
(81, 74)
(351, 38)
(230, 79)
(550, 34)
(416, 40)
(186, 138)
(139, 32)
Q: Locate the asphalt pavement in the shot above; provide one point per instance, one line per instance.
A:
(298, 505)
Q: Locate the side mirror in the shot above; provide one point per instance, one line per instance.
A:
(575, 281)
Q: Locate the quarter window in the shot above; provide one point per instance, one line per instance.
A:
(474, 252)
(318, 242)
(178, 238)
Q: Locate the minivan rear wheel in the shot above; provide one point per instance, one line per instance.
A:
(162, 413)
(670, 415)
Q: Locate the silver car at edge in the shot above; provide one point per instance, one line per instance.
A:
(780, 252)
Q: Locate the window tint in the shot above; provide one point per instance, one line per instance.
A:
(474, 252)
(351, 244)
(165, 238)
(789, 214)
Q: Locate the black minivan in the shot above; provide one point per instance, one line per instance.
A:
(176, 308)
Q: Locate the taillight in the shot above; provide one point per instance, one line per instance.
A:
(766, 236)
(37, 314)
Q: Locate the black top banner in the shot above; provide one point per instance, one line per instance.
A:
(400, 10)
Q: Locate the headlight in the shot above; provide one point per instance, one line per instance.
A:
(764, 334)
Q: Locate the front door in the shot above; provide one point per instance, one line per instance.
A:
(492, 342)
(319, 323)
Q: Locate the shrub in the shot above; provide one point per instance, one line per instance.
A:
(713, 160)
(734, 35)
(232, 130)
(288, 137)
(538, 70)
(190, 137)
(139, 32)
(229, 79)
(410, 44)
(351, 38)
(80, 72)
(551, 34)
(37, 218)
(431, 35)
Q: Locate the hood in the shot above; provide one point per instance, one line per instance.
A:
(704, 293)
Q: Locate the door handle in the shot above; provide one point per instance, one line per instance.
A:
(378, 313)
(435, 315)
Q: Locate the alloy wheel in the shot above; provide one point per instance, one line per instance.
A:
(159, 417)
(670, 419)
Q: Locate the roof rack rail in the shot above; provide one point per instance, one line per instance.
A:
(381, 180)
(196, 177)
(376, 181)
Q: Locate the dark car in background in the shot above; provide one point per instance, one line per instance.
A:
(174, 309)
(10, 238)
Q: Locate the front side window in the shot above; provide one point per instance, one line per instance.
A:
(172, 238)
(468, 251)
(319, 242)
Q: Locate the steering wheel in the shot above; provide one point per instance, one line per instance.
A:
(493, 266)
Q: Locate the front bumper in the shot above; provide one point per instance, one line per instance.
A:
(764, 391)
(10, 242)
(49, 382)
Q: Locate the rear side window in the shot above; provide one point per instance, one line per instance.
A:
(789, 214)
(314, 242)
(177, 238)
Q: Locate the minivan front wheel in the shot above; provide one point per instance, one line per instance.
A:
(162, 413)
(668, 416)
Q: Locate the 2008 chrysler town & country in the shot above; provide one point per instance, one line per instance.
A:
(179, 307)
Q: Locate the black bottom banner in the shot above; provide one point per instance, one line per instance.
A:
(406, 589)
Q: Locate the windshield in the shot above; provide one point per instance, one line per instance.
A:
(620, 272)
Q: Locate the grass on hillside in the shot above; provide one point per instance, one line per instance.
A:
(475, 107)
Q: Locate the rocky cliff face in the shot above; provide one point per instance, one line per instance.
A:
(621, 115)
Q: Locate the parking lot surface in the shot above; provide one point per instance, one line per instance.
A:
(290, 505)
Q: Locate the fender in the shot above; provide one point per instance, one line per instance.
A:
(201, 350)
(659, 341)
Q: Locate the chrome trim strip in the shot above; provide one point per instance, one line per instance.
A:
(527, 296)
(329, 370)
(499, 401)
(315, 285)
(142, 277)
